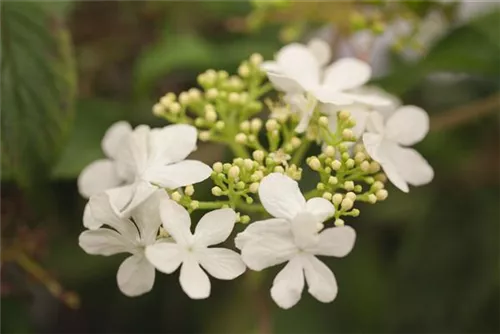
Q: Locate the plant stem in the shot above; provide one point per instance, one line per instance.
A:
(301, 151)
(211, 205)
(238, 150)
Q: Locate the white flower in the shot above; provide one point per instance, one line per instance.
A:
(155, 157)
(385, 143)
(360, 111)
(191, 250)
(135, 275)
(293, 237)
(298, 71)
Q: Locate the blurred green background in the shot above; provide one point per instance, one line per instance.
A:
(424, 262)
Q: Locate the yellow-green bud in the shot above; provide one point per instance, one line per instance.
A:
(271, 125)
(256, 59)
(243, 70)
(254, 187)
(210, 115)
(320, 186)
(323, 121)
(248, 164)
(332, 180)
(216, 191)
(233, 172)
(381, 194)
(240, 185)
(176, 196)
(241, 138)
(336, 165)
(359, 157)
(329, 151)
(295, 141)
(365, 166)
(184, 98)
(355, 212)
(258, 155)
(245, 126)
(349, 185)
(336, 199)
(279, 169)
(256, 124)
(194, 205)
(204, 135)
(339, 222)
(158, 109)
(234, 98)
(349, 163)
(344, 115)
(374, 167)
(372, 198)
(189, 190)
(351, 196)
(327, 195)
(314, 163)
(346, 204)
(212, 93)
(218, 167)
(220, 125)
(245, 219)
(377, 185)
(249, 200)
(175, 108)
(194, 94)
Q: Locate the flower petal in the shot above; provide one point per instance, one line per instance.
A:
(147, 216)
(347, 73)
(135, 276)
(375, 123)
(288, 284)
(138, 147)
(179, 174)
(321, 208)
(326, 94)
(103, 213)
(214, 227)
(305, 231)
(409, 164)
(176, 221)
(262, 228)
(221, 263)
(298, 63)
(281, 196)
(125, 199)
(360, 114)
(267, 251)
(372, 142)
(370, 100)
(284, 83)
(320, 279)
(99, 176)
(194, 281)
(88, 220)
(334, 241)
(321, 50)
(408, 125)
(165, 256)
(114, 138)
(104, 241)
(172, 143)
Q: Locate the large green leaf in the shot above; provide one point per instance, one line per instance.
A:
(38, 88)
(472, 49)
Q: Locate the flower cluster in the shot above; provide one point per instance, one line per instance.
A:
(142, 195)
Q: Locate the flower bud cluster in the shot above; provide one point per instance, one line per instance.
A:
(347, 174)
(342, 131)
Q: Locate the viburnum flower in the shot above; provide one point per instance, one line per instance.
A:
(191, 250)
(386, 144)
(104, 174)
(360, 111)
(297, 72)
(292, 237)
(125, 235)
(155, 157)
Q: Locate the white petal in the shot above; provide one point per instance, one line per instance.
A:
(104, 241)
(321, 50)
(371, 100)
(304, 122)
(267, 251)
(334, 241)
(375, 123)
(99, 176)
(372, 142)
(221, 263)
(88, 220)
(138, 147)
(304, 227)
(172, 143)
(103, 213)
(258, 229)
(115, 138)
(284, 83)
(271, 66)
(326, 94)
(408, 125)
(409, 164)
(320, 279)
(288, 284)
(194, 281)
(360, 114)
(281, 196)
(176, 221)
(147, 216)
(321, 208)
(347, 73)
(135, 276)
(214, 227)
(165, 256)
(125, 199)
(179, 174)
(298, 63)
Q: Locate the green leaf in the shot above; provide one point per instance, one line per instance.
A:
(38, 90)
(472, 49)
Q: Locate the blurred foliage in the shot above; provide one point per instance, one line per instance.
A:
(424, 262)
(38, 90)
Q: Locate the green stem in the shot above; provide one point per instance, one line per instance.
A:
(301, 151)
(312, 193)
(250, 207)
(212, 205)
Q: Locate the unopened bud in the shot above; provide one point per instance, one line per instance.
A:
(349, 185)
(254, 187)
(218, 167)
(339, 222)
(189, 190)
(217, 191)
(258, 155)
(241, 138)
(336, 199)
(233, 172)
(176, 196)
(346, 204)
(314, 163)
(381, 194)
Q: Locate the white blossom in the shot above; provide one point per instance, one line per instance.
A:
(360, 111)
(298, 72)
(147, 158)
(386, 143)
(292, 237)
(192, 251)
(125, 235)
